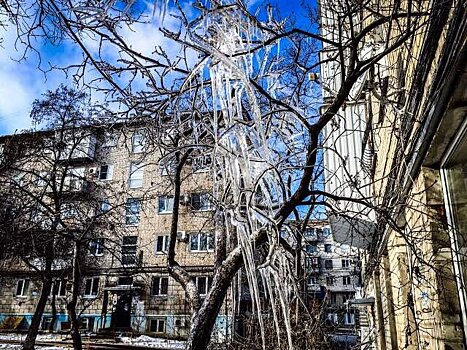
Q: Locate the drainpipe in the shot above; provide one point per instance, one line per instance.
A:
(381, 339)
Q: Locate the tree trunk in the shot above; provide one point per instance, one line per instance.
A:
(39, 311)
(54, 311)
(204, 320)
(71, 306)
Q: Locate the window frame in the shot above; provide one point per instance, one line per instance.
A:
(165, 244)
(130, 247)
(25, 284)
(207, 286)
(96, 244)
(136, 175)
(93, 287)
(159, 285)
(138, 142)
(158, 321)
(203, 203)
(129, 213)
(167, 199)
(346, 281)
(210, 242)
(108, 172)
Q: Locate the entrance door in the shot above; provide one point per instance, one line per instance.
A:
(121, 312)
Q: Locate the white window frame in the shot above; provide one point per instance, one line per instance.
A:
(210, 243)
(136, 175)
(165, 244)
(167, 167)
(158, 321)
(61, 289)
(105, 206)
(126, 246)
(159, 283)
(168, 204)
(96, 247)
(109, 171)
(138, 141)
(24, 289)
(201, 163)
(204, 200)
(346, 280)
(132, 218)
(208, 282)
(345, 263)
(74, 179)
(110, 139)
(93, 287)
(43, 179)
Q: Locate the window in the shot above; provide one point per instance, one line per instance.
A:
(349, 318)
(160, 286)
(43, 179)
(106, 172)
(311, 248)
(96, 247)
(70, 210)
(330, 281)
(136, 175)
(162, 244)
(312, 280)
(200, 201)
(110, 139)
(74, 179)
(334, 300)
(166, 204)
(18, 179)
(310, 233)
(204, 284)
(345, 263)
(346, 281)
(59, 288)
(22, 288)
(312, 262)
(326, 232)
(129, 250)
(125, 281)
(105, 206)
(91, 287)
(167, 167)
(157, 325)
(86, 323)
(328, 248)
(201, 242)
(332, 317)
(328, 264)
(137, 142)
(133, 208)
(202, 162)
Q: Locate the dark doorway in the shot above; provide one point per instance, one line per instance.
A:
(121, 311)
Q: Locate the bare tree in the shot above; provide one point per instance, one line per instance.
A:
(248, 83)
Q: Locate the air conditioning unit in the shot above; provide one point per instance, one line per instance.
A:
(182, 236)
(185, 199)
(93, 171)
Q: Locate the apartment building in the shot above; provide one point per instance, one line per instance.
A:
(399, 145)
(110, 190)
(333, 277)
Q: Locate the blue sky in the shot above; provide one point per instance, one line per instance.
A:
(23, 82)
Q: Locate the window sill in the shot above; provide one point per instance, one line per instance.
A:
(164, 212)
(202, 251)
(90, 296)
